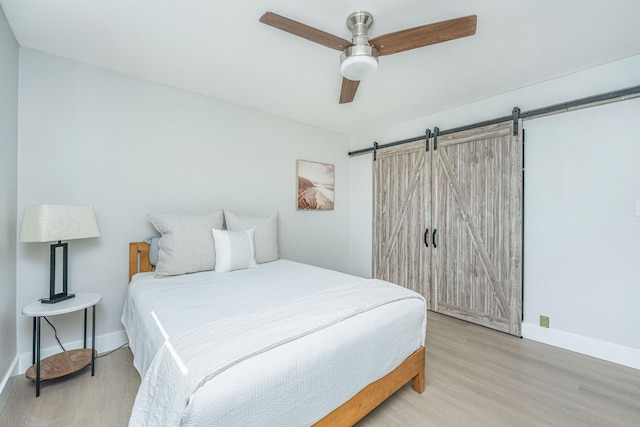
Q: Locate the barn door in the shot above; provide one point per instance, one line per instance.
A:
(477, 212)
(401, 212)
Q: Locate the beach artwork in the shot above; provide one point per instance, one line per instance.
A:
(315, 186)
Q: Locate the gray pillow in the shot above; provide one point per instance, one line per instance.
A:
(154, 249)
(186, 245)
(266, 233)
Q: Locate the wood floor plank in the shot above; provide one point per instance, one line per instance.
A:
(79, 399)
(474, 377)
(479, 377)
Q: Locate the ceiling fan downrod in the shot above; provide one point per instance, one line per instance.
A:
(359, 23)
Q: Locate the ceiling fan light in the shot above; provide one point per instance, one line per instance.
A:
(359, 62)
(359, 68)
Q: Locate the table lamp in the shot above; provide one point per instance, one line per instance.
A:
(51, 223)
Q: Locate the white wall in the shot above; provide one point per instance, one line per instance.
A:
(581, 319)
(8, 189)
(582, 241)
(132, 147)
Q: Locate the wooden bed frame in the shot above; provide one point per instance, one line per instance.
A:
(353, 410)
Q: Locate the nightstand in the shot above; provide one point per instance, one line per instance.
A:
(67, 362)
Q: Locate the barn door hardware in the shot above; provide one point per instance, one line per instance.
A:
(426, 238)
(436, 131)
(618, 95)
(516, 117)
(427, 137)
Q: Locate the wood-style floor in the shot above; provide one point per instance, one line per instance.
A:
(474, 377)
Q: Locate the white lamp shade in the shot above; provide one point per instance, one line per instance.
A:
(49, 223)
(359, 67)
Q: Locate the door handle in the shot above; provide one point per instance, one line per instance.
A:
(426, 237)
(433, 238)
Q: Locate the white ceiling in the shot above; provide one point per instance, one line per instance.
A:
(219, 49)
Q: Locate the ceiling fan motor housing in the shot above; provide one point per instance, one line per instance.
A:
(359, 61)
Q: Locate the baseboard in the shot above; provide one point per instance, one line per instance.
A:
(7, 383)
(615, 353)
(104, 343)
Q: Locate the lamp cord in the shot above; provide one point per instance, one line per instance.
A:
(114, 350)
(55, 333)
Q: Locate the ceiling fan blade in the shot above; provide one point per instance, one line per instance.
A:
(425, 35)
(305, 31)
(348, 91)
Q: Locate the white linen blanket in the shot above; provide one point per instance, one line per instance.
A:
(187, 361)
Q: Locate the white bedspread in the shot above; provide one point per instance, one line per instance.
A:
(200, 327)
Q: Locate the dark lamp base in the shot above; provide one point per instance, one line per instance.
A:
(57, 298)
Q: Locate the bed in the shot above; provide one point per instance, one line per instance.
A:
(212, 350)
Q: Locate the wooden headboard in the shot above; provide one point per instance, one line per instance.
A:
(139, 258)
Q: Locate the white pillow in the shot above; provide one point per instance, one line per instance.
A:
(186, 245)
(266, 232)
(234, 250)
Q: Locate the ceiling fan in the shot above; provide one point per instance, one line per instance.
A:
(359, 58)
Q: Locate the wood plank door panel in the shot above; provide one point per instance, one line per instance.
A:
(477, 212)
(400, 216)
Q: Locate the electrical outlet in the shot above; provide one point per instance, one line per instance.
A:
(544, 321)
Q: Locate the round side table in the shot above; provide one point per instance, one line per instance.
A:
(67, 362)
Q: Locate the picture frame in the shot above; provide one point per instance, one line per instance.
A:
(315, 185)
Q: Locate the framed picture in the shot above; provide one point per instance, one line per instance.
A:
(315, 186)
